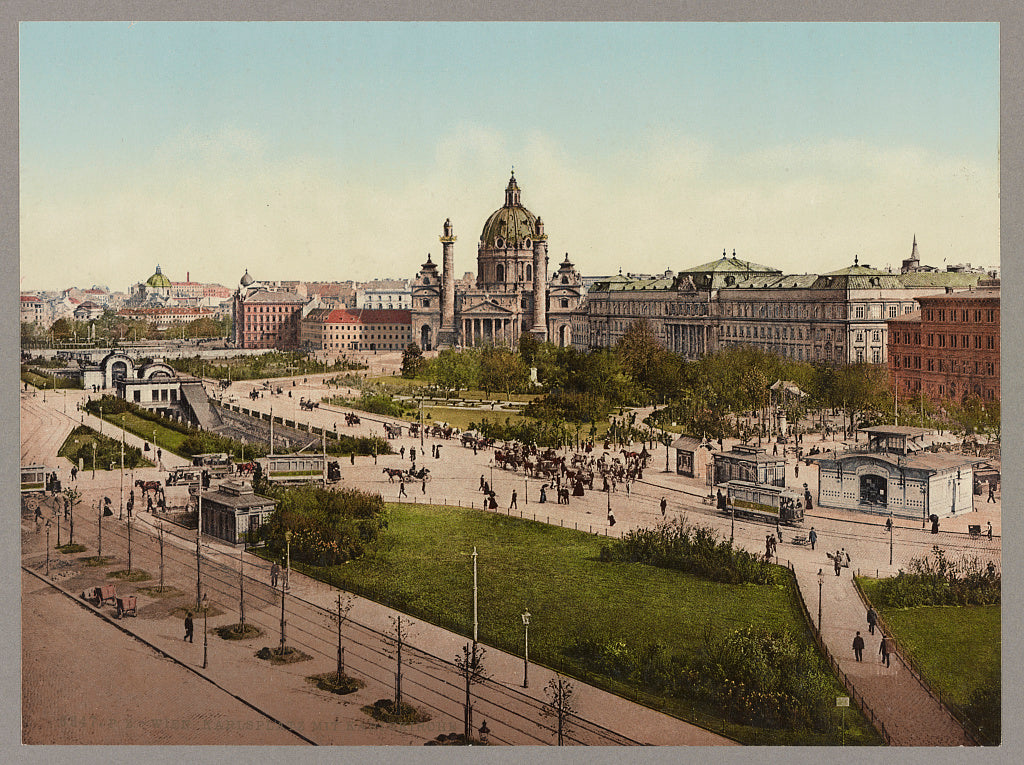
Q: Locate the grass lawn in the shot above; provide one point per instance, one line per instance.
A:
(166, 438)
(423, 566)
(108, 450)
(957, 647)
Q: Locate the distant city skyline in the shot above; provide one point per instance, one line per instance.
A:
(335, 151)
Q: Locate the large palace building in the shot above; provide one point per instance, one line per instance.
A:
(512, 271)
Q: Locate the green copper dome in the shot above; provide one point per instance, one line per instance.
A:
(511, 225)
(158, 280)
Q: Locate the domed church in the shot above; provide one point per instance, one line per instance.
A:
(512, 269)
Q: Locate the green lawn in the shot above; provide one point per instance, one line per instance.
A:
(956, 647)
(423, 566)
(166, 438)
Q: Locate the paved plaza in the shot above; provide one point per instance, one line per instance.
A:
(910, 714)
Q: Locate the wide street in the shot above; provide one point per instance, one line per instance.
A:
(910, 714)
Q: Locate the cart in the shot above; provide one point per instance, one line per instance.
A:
(105, 595)
(127, 606)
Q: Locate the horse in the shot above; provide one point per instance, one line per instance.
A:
(146, 486)
(393, 473)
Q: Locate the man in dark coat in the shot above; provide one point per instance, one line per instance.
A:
(872, 620)
(188, 626)
(883, 649)
(858, 646)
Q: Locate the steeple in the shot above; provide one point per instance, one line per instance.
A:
(512, 192)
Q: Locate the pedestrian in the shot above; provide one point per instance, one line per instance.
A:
(838, 562)
(664, 506)
(275, 571)
(482, 483)
(611, 519)
(412, 455)
(990, 531)
(888, 524)
(188, 626)
(402, 452)
(796, 470)
(74, 472)
(991, 493)
(872, 620)
(775, 450)
(846, 559)
(159, 455)
(353, 457)
(813, 537)
(401, 488)
(543, 494)
(768, 547)
(778, 529)
(858, 646)
(474, 448)
(883, 649)
(424, 490)
(512, 504)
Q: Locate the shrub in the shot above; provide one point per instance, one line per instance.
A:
(937, 580)
(676, 544)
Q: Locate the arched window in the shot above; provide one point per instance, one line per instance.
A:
(499, 272)
(529, 271)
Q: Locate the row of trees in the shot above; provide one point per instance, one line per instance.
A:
(702, 397)
(111, 328)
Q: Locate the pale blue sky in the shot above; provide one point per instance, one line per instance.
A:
(336, 150)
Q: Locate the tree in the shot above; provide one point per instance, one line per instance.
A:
(500, 369)
(858, 389)
(560, 704)
(412, 361)
(528, 347)
(73, 497)
(470, 664)
(452, 371)
(641, 354)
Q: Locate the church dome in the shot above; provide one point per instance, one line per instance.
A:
(246, 280)
(158, 280)
(510, 226)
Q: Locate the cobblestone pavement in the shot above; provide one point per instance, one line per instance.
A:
(894, 695)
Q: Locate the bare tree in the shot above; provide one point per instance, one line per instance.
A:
(560, 704)
(395, 638)
(470, 664)
(344, 605)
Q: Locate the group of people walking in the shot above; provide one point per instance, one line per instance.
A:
(885, 646)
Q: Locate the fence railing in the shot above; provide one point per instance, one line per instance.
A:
(970, 728)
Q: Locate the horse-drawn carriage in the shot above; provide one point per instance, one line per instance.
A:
(351, 419)
(308, 404)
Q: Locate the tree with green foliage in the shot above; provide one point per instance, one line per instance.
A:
(529, 347)
(453, 371)
(412, 361)
(501, 369)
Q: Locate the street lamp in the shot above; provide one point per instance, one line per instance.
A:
(288, 558)
(526, 649)
(47, 548)
(94, 459)
(890, 525)
(206, 613)
(821, 582)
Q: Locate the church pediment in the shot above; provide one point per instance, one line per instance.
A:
(486, 308)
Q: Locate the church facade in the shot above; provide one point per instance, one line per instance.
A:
(513, 294)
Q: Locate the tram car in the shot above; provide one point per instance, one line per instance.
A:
(763, 502)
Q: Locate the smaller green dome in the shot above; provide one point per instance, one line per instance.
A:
(158, 280)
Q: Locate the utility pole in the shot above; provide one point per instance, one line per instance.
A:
(99, 527)
(199, 532)
(475, 622)
(241, 588)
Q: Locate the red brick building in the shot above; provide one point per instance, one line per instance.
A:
(949, 348)
(265, 318)
(356, 330)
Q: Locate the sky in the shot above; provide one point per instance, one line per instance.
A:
(333, 151)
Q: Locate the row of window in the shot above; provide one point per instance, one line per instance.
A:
(950, 390)
(964, 341)
(162, 394)
(953, 366)
(975, 315)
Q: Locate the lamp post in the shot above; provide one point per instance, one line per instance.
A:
(206, 613)
(526, 649)
(476, 623)
(101, 420)
(199, 533)
(47, 548)
(287, 558)
(890, 524)
(94, 459)
(821, 582)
